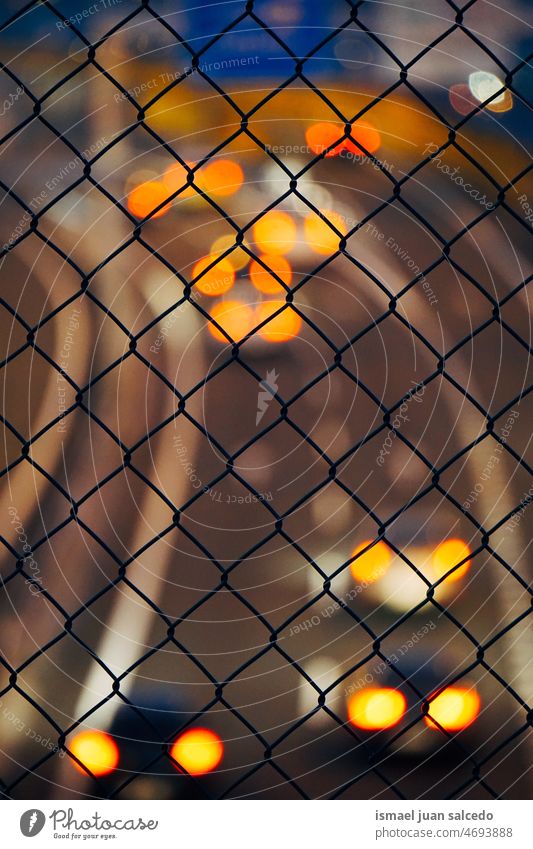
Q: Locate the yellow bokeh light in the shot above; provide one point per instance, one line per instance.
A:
(236, 318)
(372, 564)
(237, 257)
(447, 555)
(143, 199)
(96, 750)
(217, 280)
(264, 281)
(198, 751)
(282, 327)
(375, 708)
(319, 235)
(275, 232)
(175, 177)
(222, 177)
(455, 708)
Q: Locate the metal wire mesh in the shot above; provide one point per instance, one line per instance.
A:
(479, 765)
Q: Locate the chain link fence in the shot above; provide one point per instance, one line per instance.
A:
(202, 491)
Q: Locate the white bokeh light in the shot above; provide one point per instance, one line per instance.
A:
(483, 84)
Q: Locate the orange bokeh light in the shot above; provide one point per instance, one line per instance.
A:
(375, 708)
(454, 709)
(175, 177)
(236, 318)
(275, 232)
(447, 555)
(372, 564)
(96, 750)
(264, 281)
(198, 751)
(143, 199)
(502, 106)
(366, 135)
(222, 177)
(320, 136)
(320, 237)
(282, 327)
(217, 280)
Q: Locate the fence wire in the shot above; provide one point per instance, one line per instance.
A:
(378, 761)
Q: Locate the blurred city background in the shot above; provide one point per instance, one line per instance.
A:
(266, 399)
